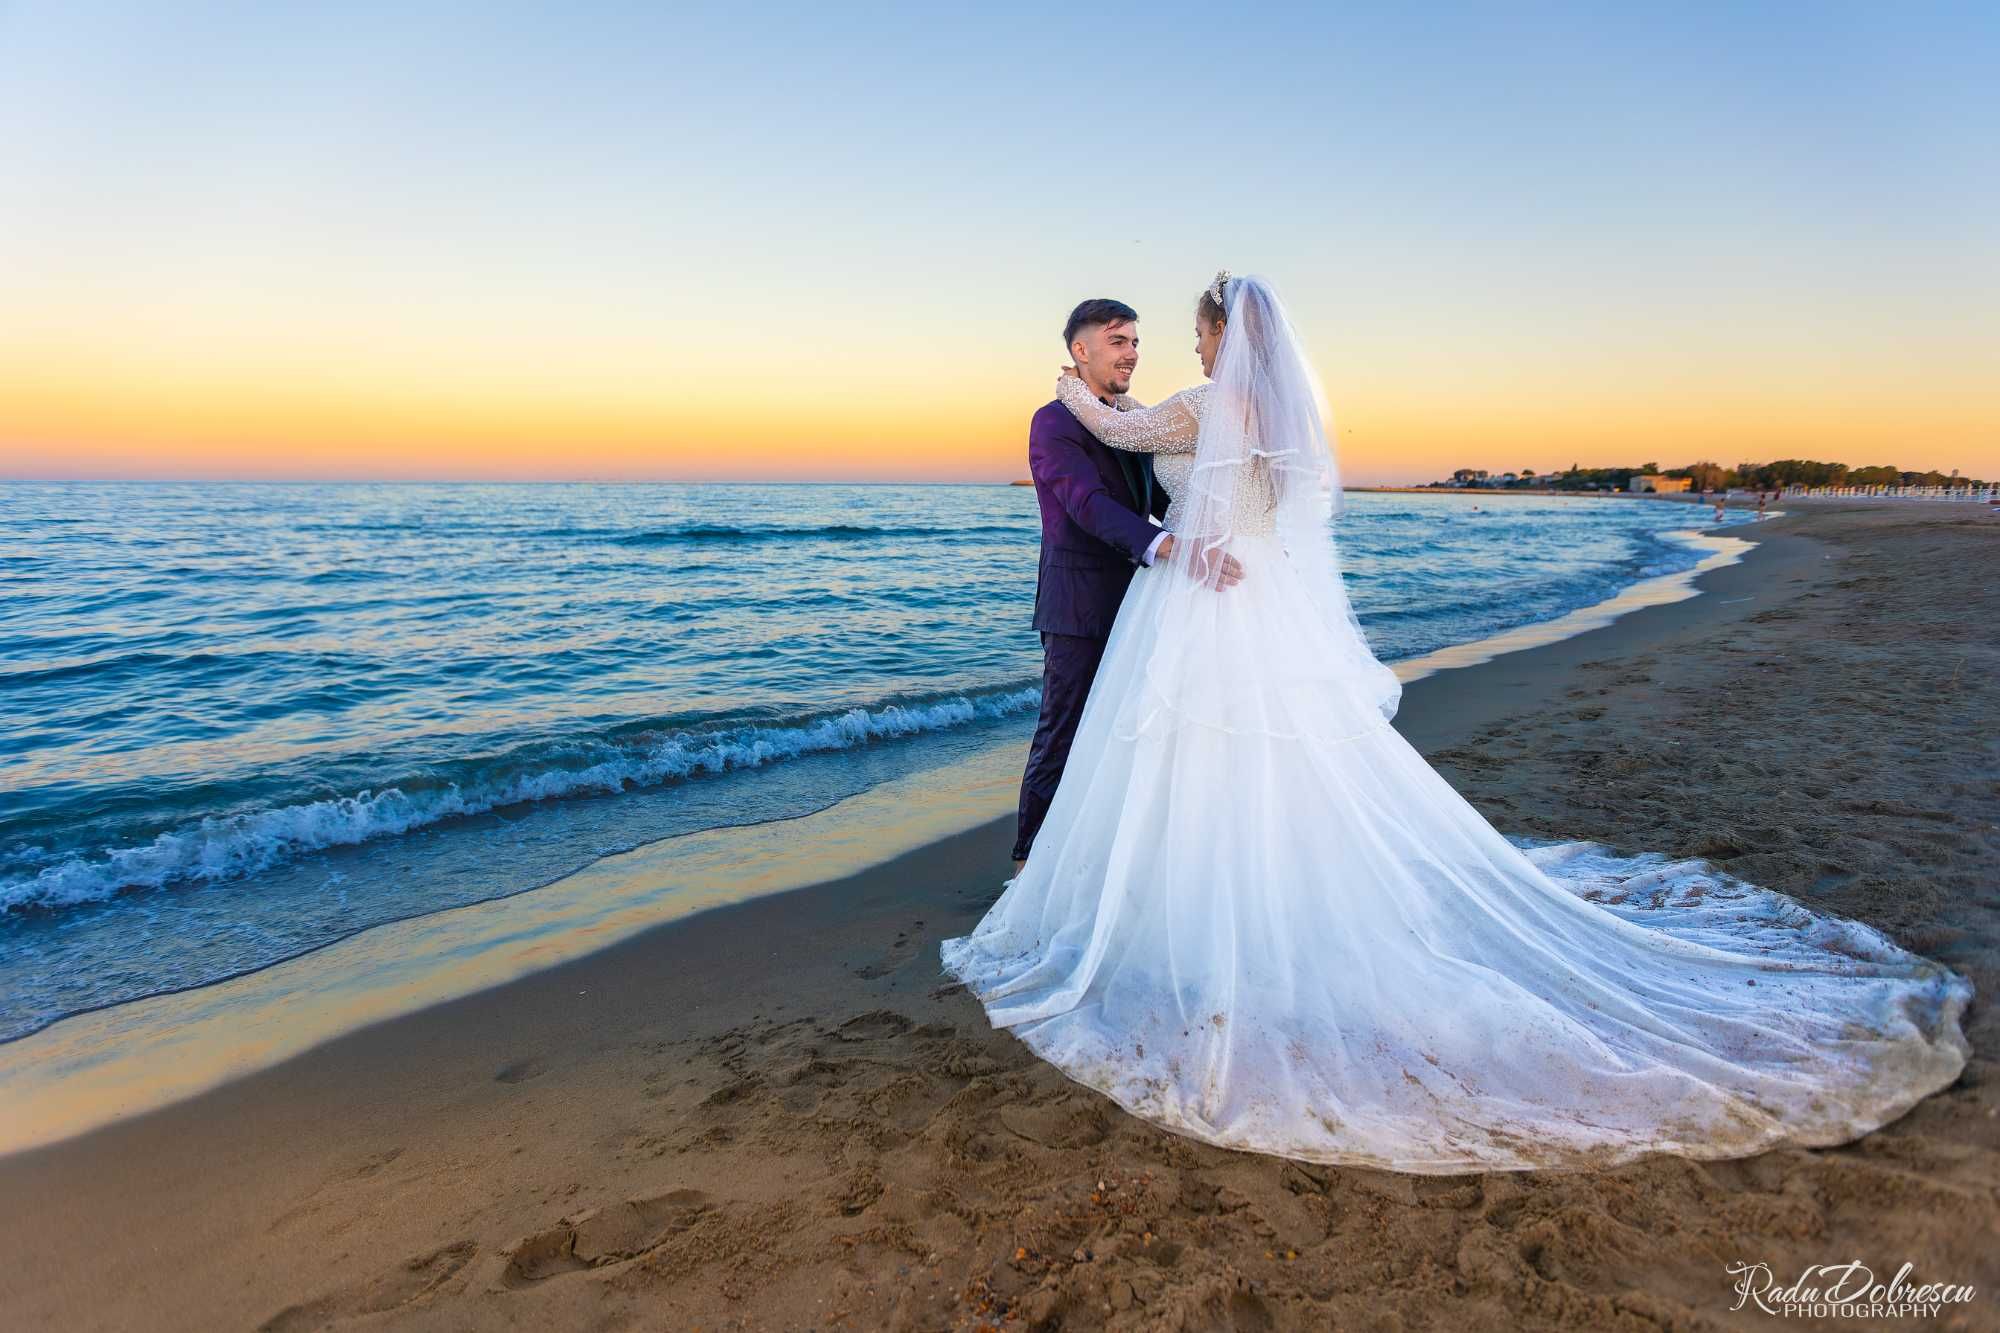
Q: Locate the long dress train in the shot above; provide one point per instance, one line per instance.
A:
(1256, 916)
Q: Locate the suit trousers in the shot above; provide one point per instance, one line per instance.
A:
(1069, 665)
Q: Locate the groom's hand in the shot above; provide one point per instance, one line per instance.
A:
(1227, 574)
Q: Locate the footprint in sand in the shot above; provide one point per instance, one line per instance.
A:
(521, 1071)
(901, 950)
(602, 1236)
(873, 1026)
(1075, 1126)
(416, 1278)
(377, 1162)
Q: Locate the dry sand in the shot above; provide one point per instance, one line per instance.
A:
(778, 1115)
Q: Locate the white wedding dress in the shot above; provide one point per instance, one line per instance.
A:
(1254, 915)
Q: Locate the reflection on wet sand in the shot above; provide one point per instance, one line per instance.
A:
(1676, 587)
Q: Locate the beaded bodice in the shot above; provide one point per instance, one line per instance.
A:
(1169, 431)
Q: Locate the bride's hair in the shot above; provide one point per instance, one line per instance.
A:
(1210, 306)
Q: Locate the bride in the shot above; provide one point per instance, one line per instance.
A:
(1255, 916)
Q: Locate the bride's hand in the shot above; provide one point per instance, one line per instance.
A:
(1068, 373)
(1225, 572)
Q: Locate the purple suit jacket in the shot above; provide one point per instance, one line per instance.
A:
(1094, 528)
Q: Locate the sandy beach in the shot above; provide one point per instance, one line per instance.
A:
(777, 1114)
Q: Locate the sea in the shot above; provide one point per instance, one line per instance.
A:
(239, 722)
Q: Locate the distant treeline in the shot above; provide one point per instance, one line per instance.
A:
(1744, 476)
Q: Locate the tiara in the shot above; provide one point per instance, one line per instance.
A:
(1215, 289)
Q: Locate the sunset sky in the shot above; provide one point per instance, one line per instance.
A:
(616, 241)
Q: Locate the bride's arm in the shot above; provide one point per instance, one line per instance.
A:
(1170, 428)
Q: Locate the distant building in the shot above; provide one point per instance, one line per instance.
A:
(1653, 481)
(1469, 476)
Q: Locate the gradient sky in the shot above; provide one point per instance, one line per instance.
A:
(649, 241)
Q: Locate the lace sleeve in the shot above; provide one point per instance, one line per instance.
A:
(1172, 427)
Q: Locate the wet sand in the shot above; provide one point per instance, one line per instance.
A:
(778, 1114)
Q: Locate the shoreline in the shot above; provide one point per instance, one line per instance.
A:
(776, 1109)
(1721, 550)
(102, 1065)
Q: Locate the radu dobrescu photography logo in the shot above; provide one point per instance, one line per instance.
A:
(1844, 1291)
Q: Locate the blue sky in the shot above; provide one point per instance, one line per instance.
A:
(708, 228)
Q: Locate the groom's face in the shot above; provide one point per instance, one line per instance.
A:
(1106, 356)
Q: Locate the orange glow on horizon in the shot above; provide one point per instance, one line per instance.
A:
(80, 425)
(203, 395)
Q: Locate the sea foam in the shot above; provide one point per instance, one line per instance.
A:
(227, 847)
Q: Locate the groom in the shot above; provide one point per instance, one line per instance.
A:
(1095, 503)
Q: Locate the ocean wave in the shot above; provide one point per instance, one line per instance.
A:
(231, 846)
(824, 532)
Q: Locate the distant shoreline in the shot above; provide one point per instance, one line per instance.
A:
(1498, 490)
(1682, 497)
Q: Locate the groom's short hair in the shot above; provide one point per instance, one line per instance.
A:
(1090, 314)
